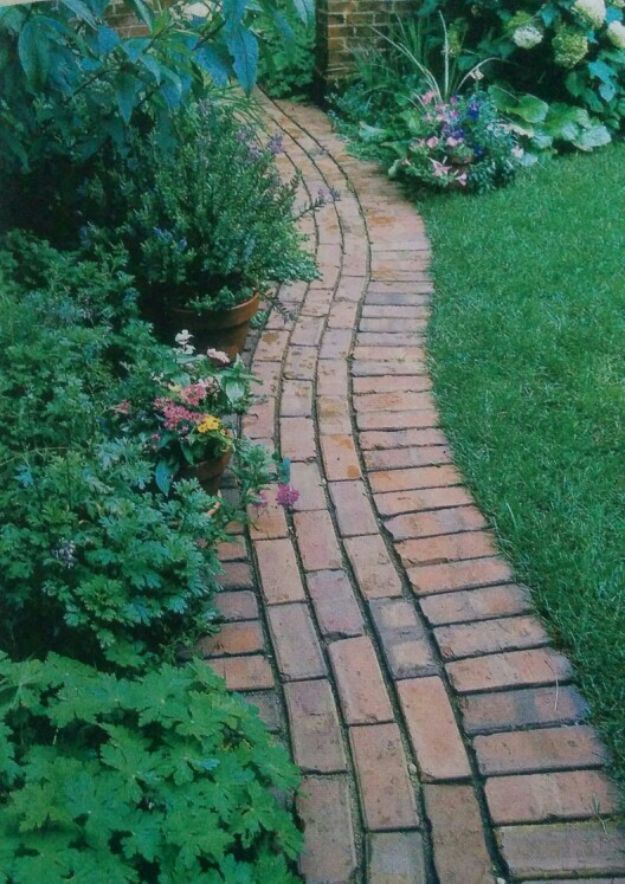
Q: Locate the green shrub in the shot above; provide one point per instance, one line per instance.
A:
(165, 777)
(206, 223)
(570, 53)
(286, 65)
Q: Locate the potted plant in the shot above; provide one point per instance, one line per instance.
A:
(182, 412)
(208, 224)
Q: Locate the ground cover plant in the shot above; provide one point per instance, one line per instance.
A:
(526, 346)
(117, 760)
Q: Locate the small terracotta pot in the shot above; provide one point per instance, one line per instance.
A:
(209, 473)
(221, 329)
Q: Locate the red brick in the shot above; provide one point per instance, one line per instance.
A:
(259, 421)
(329, 855)
(433, 731)
(406, 646)
(336, 343)
(389, 354)
(300, 363)
(449, 576)
(315, 732)
(415, 478)
(361, 688)
(297, 438)
(317, 541)
(385, 439)
(333, 415)
(332, 378)
(279, 574)
(460, 852)
(317, 302)
(400, 400)
(509, 669)
(395, 421)
(397, 858)
(296, 399)
(447, 548)
(414, 326)
(362, 368)
(476, 604)
(375, 573)
(432, 523)
(306, 479)
(244, 637)
(343, 315)
(307, 331)
(392, 383)
(387, 794)
(485, 637)
(271, 346)
(563, 849)
(269, 709)
(268, 521)
(339, 457)
(504, 710)
(553, 748)
(244, 673)
(381, 311)
(535, 798)
(335, 604)
(351, 288)
(353, 510)
(298, 654)
(232, 550)
(388, 339)
(236, 575)
(392, 458)
(240, 605)
(397, 502)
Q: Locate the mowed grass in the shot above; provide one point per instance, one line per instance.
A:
(528, 351)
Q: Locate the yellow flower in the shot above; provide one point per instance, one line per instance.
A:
(209, 423)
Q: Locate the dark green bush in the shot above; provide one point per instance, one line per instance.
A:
(160, 778)
(206, 223)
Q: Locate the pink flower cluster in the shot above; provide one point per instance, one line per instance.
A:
(195, 394)
(175, 414)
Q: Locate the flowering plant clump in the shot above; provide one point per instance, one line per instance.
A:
(462, 144)
(182, 412)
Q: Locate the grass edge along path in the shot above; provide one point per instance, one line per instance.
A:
(527, 346)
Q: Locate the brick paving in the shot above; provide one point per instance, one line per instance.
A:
(376, 627)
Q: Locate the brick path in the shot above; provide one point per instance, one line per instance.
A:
(376, 627)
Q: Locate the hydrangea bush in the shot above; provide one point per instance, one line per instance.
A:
(567, 52)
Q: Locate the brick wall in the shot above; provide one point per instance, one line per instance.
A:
(344, 25)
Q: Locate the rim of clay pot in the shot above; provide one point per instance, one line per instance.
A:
(219, 319)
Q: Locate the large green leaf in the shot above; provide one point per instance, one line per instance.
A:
(596, 136)
(33, 48)
(243, 47)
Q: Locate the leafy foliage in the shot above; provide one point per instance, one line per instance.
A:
(286, 65)
(206, 223)
(163, 777)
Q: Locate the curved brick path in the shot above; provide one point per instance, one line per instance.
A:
(376, 627)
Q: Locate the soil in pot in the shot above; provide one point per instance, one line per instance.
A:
(209, 473)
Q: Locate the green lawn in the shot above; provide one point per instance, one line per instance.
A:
(528, 352)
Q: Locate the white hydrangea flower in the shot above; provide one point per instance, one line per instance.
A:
(616, 34)
(618, 3)
(592, 11)
(527, 36)
(183, 340)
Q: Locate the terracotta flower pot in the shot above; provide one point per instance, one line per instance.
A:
(209, 473)
(221, 329)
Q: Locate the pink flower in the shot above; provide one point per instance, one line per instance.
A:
(439, 169)
(432, 142)
(122, 407)
(453, 142)
(429, 97)
(287, 496)
(194, 394)
(175, 415)
(462, 179)
(218, 356)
